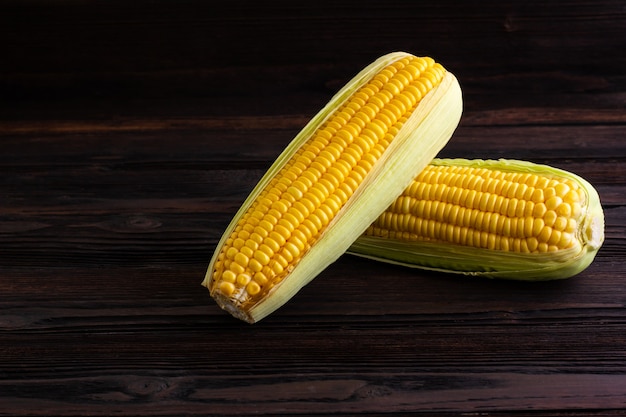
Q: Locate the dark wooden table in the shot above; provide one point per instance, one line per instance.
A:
(131, 131)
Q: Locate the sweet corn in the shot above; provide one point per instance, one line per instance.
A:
(333, 180)
(502, 219)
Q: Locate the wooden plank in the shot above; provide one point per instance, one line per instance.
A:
(131, 132)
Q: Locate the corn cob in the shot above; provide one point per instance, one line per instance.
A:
(332, 181)
(501, 219)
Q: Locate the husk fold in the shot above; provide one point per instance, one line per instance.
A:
(421, 137)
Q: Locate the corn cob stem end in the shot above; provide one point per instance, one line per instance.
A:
(227, 305)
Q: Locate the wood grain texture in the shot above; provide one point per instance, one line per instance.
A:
(130, 133)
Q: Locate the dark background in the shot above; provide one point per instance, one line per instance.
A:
(131, 131)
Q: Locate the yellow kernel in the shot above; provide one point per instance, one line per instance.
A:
(253, 288)
(268, 222)
(243, 279)
(365, 114)
(365, 142)
(238, 243)
(261, 256)
(497, 204)
(227, 288)
(261, 232)
(549, 192)
(229, 276)
(561, 189)
(295, 192)
(236, 268)
(333, 203)
(512, 208)
(529, 224)
(337, 123)
(529, 208)
(394, 86)
(530, 179)
(542, 182)
(281, 206)
(421, 86)
(309, 227)
(564, 209)
(300, 235)
(493, 202)
(572, 226)
(524, 246)
(545, 234)
(571, 196)
(538, 225)
(520, 193)
(567, 241)
(407, 100)
(504, 244)
(292, 217)
(470, 197)
(280, 264)
(377, 102)
(317, 194)
(468, 217)
(576, 210)
(415, 92)
(251, 246)
(439, 211)
(520, 209)
(244, 234)
(553, 202)
(482, 202)
(560, 223)
(376, 127)
(231, 252)
(322, 216)
(550, 217)
(349, 186)
(386, 117)
(308, 204)
(292, 249)
(275, 240)
(314, 222)
(260, 278)
(256, 238)
(368, 90)
(351, 129)
(521, 227)
(272, 245)
(285, 227)
(540, 210)
(298, 243)
(491, 241)
(241, 259)
(512, 189)
(555, 237)
(255, 265)
(355, 152)
(329, 155)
